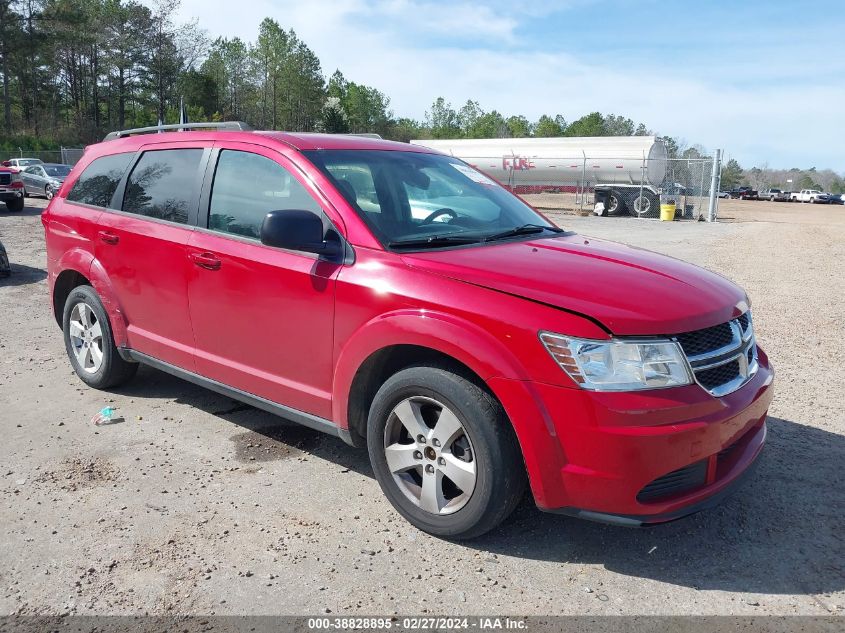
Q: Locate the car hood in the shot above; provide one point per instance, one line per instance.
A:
(628, 290)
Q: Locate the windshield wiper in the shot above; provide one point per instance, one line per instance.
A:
(433, 241)
(525, 229)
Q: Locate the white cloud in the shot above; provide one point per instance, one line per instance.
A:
(415, 51)
(471, 20)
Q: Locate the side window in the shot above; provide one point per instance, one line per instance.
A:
(98, 182)
(356, 183)
(162, 184)
(248, 186)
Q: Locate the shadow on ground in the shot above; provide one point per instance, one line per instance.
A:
(23, 275)
(28, 210)
(779, 534)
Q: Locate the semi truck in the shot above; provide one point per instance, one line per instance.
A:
(624, 172)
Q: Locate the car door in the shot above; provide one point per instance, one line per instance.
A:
(142, 248)
(30, 177)
(262, 316)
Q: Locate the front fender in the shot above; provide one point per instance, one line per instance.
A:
(445, 333)
(476, 348)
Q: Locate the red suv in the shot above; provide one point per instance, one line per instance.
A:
(401, 300)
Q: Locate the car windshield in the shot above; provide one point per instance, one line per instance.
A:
(420, 200)
(57, 171)
(26, 162)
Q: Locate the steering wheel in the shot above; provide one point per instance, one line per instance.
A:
(431, 217)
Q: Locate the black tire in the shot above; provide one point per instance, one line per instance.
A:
(113, 370)
(615, 204)
(49, 192)
(16, 204)
(645, 206)
(500, 472)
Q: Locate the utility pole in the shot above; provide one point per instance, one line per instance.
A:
(714, 186)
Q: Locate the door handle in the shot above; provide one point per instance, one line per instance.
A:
(108, 238)
(208, 261)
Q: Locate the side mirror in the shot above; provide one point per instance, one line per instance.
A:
(298, 230)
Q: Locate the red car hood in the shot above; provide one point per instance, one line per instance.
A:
(629, 290)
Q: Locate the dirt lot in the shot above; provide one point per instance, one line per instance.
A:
(196, 504)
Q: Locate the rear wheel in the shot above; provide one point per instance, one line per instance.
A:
(644, 206)
(615, 204)
(444, 452)
(89, 342)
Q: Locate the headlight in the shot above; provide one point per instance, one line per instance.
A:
(617, 364)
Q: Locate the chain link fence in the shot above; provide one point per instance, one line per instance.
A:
(621, 186)
(64, 155)
(577, 184)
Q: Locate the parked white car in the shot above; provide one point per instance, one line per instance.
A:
(23, 163)
(810, 195)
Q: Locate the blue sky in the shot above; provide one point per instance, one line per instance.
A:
(765, 81)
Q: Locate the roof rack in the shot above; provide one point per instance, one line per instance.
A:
(153, 129)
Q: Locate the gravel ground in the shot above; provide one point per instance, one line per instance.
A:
(197, 504)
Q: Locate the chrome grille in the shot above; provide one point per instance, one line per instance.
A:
(717, 376)
(704, 341)
(722, 357)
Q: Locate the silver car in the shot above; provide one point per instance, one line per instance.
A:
(44, 180)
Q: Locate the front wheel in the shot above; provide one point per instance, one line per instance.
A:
(49, 192)
(444, 452)
(15, 204)
(89, 341)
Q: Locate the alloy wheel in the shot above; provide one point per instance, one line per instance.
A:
(86, 337)
(430, 455)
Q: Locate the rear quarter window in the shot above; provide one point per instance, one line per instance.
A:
(162, 184)
(98, 182)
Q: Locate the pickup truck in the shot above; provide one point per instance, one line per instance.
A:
(810, 195)
(11, 188)
(22, 163)
(743, 193)
(774, 195)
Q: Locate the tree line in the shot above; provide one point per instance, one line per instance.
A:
(794, 179)
(74, 70)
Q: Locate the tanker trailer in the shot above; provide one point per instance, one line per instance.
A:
(624, 172)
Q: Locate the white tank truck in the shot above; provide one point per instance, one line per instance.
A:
(624, 172)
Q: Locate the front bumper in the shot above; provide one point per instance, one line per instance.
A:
(595, 455)
(10, 194)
